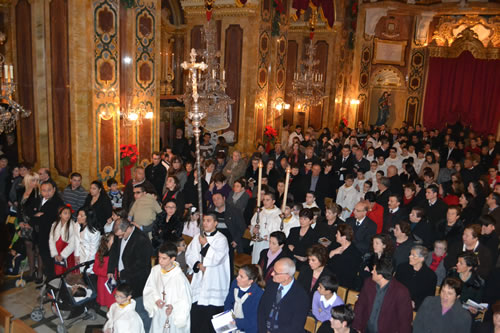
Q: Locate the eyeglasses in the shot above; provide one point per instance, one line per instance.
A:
(276, 273)
(119, 296)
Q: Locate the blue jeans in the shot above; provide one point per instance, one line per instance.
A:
(141, 311)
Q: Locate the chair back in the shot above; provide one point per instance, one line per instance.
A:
(352, 297)
(342, 293)
(5, 319)
(19, 326)
(310, 325)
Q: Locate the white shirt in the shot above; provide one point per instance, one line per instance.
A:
(122, 248)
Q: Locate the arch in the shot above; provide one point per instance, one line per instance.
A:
(387, 76)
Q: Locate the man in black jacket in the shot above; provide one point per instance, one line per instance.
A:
(363, 227)
(284, 304)
(48, 210)
(130, 256)
(395, 212)
(435, 208)
(156, 173)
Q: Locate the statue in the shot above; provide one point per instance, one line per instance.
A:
(383, 108)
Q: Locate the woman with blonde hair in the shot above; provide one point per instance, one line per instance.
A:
(27, 208)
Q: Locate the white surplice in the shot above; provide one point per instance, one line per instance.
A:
(211, 287)
(347, 197)
(290, 223)
(269, 222)
(123, 320)
(177, 291)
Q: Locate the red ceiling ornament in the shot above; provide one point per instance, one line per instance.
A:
(209, 6)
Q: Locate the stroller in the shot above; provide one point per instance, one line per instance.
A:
(67, 308)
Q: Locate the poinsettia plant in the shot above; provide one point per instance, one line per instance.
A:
(270, 135)
(128, 155)
(343, 122)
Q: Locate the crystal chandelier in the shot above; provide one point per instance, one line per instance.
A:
(10, 110)
(211, 84)
(308, 84)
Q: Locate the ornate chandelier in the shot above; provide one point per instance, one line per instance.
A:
(308, 85)
(10, 110)
(211, 84)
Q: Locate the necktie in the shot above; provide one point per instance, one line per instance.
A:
(358, 223)
(278, 294)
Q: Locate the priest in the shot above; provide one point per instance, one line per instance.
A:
(167, 294)
(208, 256)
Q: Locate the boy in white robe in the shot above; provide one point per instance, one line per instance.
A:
(167, 294)
(347, 197)
(122, 317)
(208, 256)
(269, 221)
(290, 220)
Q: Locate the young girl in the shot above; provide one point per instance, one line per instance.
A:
(88, 238)
(101, 270)
(192, 227)
(122, 317)
(63, 241)
(115, 215)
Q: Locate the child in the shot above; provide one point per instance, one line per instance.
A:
(347, 197)
(63, 241)
(101, 270)
(115, 215)
(290, 220)
(114, 193)
(17, 253)
(122, 317)
(359, 181)
(310, 200)
(325, 298)
(181, 254)
(167, 294)
(192, 227)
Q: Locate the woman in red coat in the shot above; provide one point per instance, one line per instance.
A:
(101, 270)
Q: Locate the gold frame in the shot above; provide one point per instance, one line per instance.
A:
(401, 43)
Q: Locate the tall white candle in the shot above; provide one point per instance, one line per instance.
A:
(11, 72)
(6, 72)
(287, 182)
(173, 57)
(259, 184)
(223, 75)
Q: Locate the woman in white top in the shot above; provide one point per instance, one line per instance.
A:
(63, 241)
(89, 237)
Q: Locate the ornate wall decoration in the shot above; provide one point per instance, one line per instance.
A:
(364, 75)
(387, 76)
(281, 60)
(467, 40)
(416, 75)
(106, 87)
(451, 27)
(263, 59)
(412, 115)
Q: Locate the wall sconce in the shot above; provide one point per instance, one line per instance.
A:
(280, 105)
(355, 101)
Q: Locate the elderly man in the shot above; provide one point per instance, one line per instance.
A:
(284, 304)
(363, 227)
(384, 304)
(130, 256)
(235, 168)
(74, 194)
(139, 178)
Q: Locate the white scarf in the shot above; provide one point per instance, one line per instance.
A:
(238, 303)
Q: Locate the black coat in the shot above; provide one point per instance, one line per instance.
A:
(420, 284)
(43, 223)
(346, 266)
(396, 186)
(263, 260)
(166, 232)
(136, 259)
(451, 234)
(156, 175)
(293, 308)
(235, 222)
(484, 256)
(402, 252)
(430, 318)
(301, 244)
(363, 234)
(343, 168)
(305, 280)
(436, 212)
(190, 192)
(102, 209)
(423, 233)
(391, 219)
(383, 198)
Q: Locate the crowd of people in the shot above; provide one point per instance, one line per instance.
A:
(408, 219)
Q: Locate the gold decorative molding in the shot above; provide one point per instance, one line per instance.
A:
(467, 40)
(223, 10)
(450, 28)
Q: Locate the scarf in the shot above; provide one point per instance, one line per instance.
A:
(271, 256)
(238, 302)
(237, 196)
(435, 261)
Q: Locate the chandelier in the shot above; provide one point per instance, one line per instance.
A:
(10, 110)
(212, 100)
(135, 113)
(308, 84)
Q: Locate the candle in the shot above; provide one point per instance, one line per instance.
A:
(166, 64)
(259, 186)
(6, 72)
(223, 75)
(173, 56)
(287, 182)
(213, 73)
(11, 72)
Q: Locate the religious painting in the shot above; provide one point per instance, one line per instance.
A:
(389, 52)
(387, 106)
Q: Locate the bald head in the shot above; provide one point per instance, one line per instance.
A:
(392, 171)
(284, 270)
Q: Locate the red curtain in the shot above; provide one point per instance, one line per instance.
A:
(463, 89)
